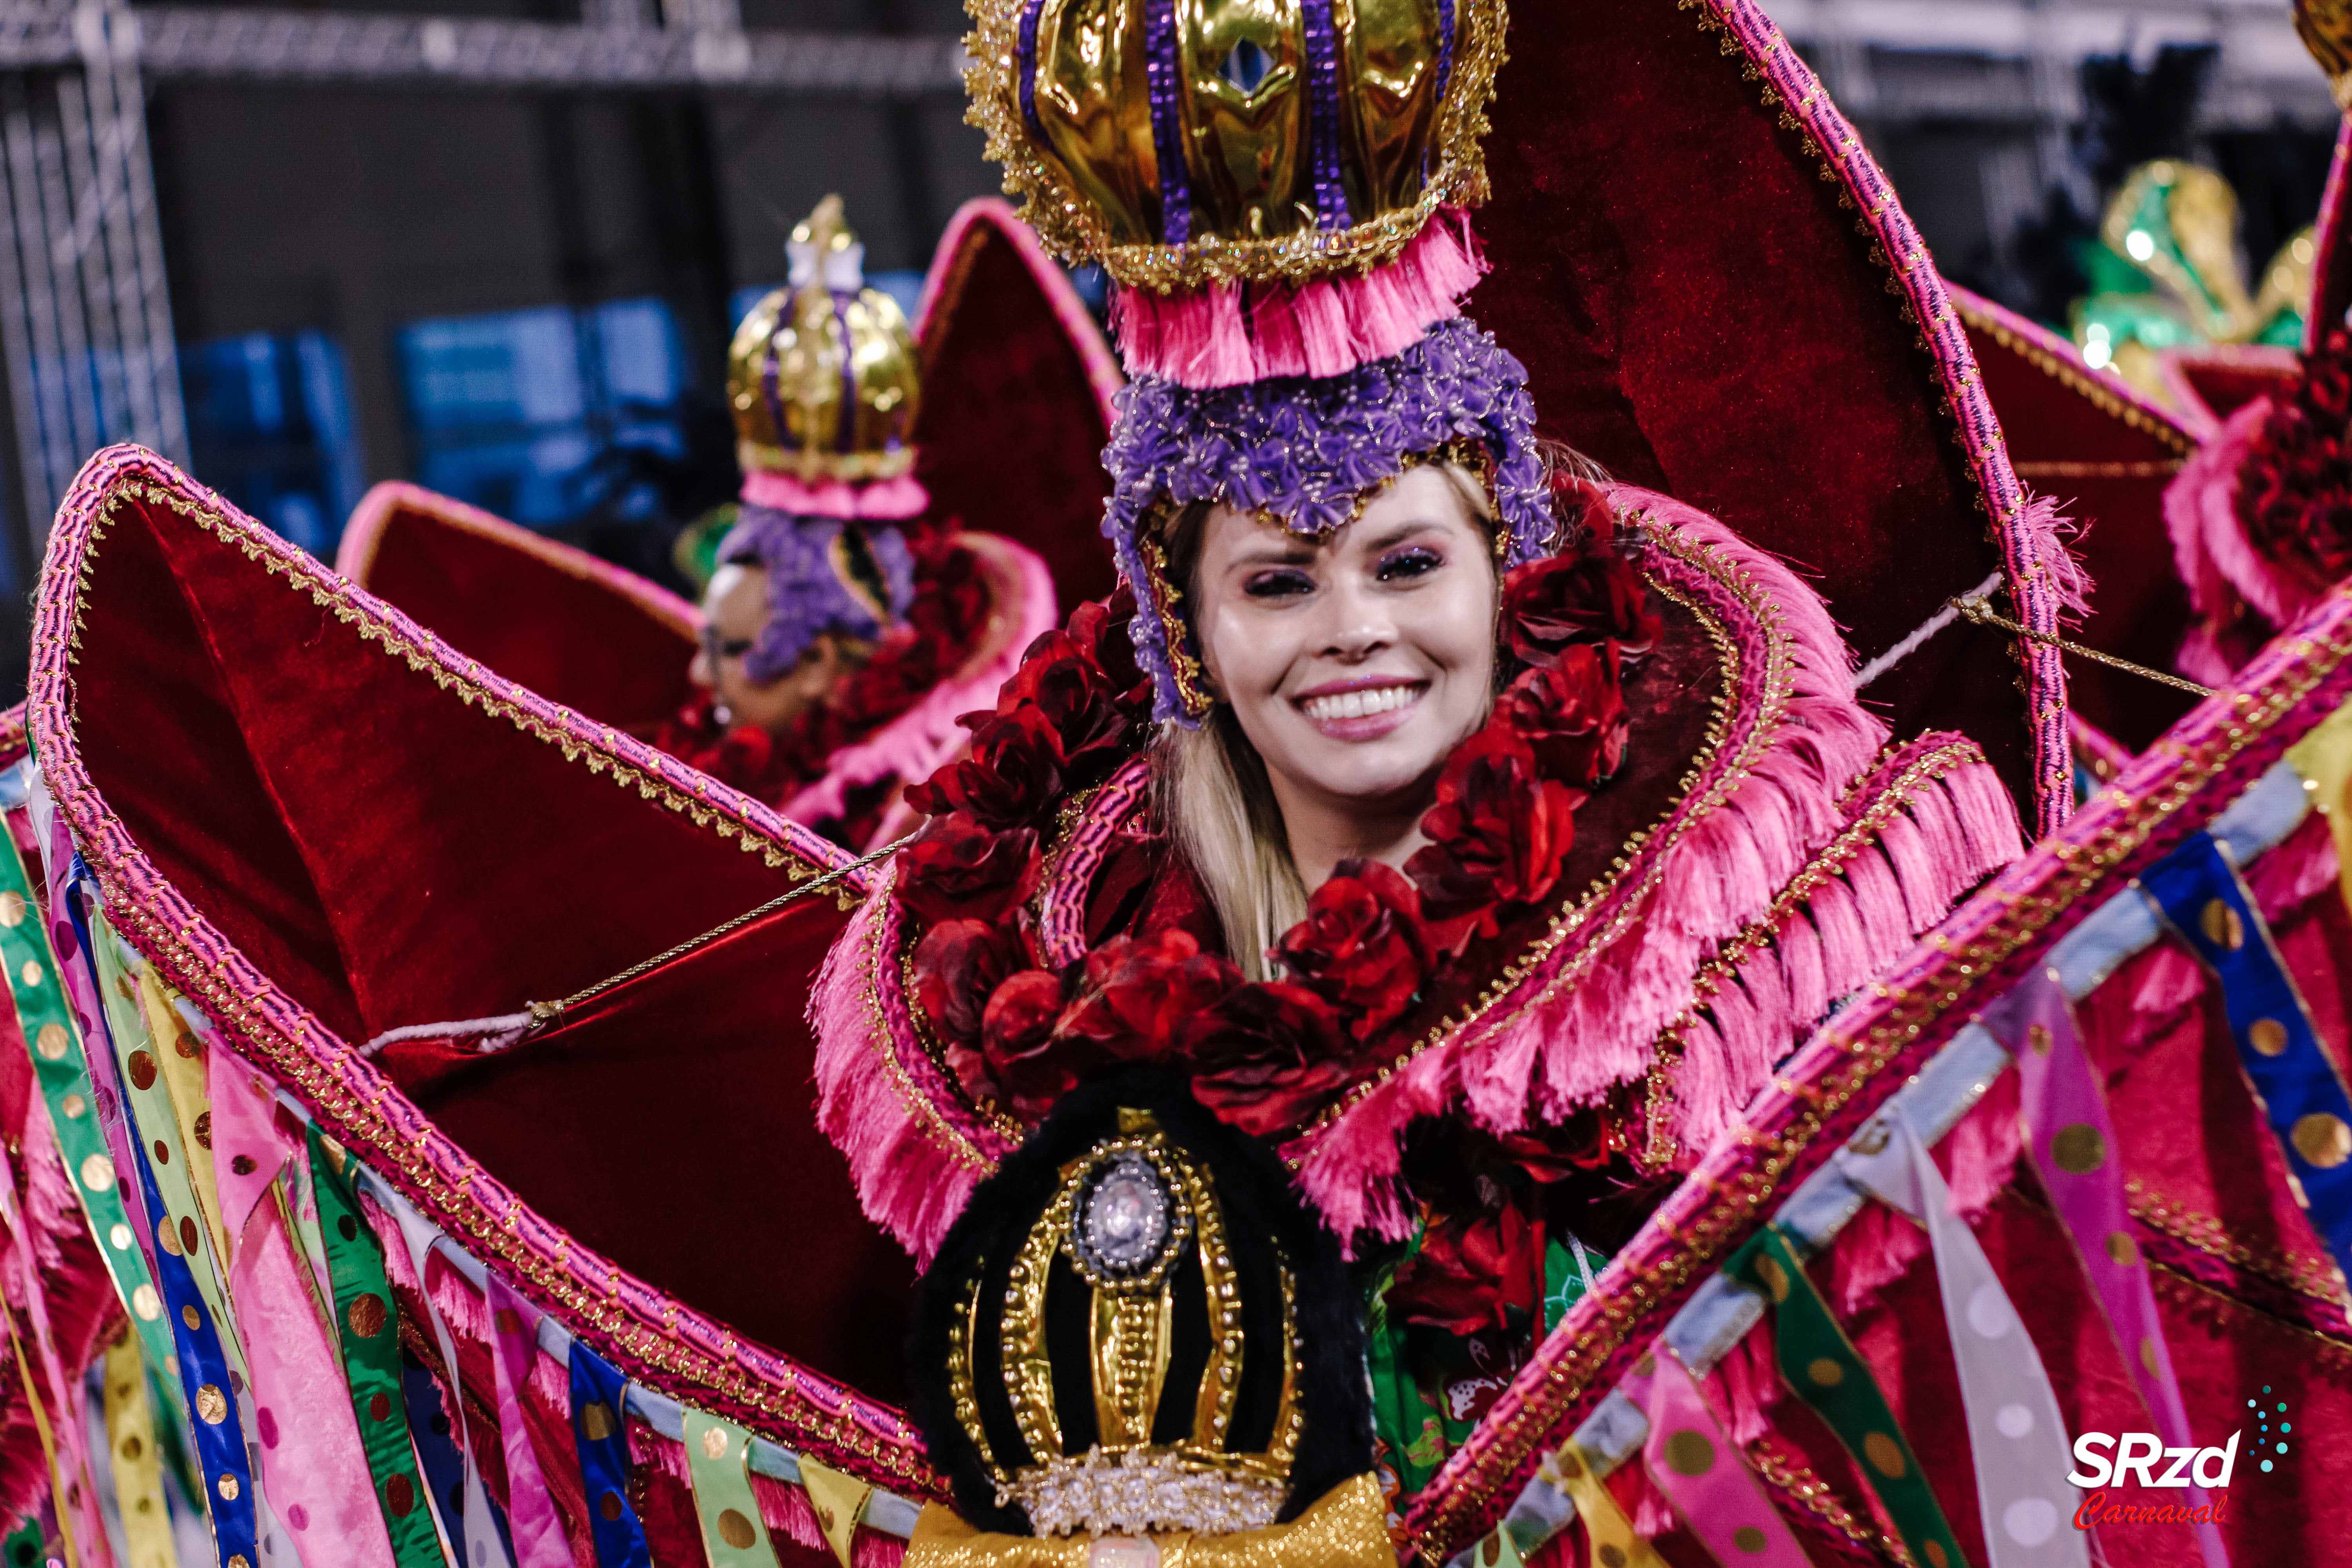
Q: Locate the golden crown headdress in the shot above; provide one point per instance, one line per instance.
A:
(823, 373)
(1234, 140)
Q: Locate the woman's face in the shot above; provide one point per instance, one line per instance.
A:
(1355, 661)
(734, 611)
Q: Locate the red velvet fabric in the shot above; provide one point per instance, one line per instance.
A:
(390, 856)
(569, 637)
(1696, 311)
(2139, 608)
(2224, 385)
(1011, 430)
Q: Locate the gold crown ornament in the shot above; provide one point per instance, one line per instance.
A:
(1135, 1330)
(823, 372)
(1221, 141)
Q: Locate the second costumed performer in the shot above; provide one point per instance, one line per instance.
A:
(1419, 860)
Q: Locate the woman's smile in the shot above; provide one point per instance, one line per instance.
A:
(1363, 708)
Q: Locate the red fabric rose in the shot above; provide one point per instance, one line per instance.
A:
(1581, 506)
(1017, 1045)
(1139, 992)
(1060, 683)
(1498, 833)
(1586, 594)
(1012, 776)
(960, 870)
(957, 967)
(1100, 628)
(1571, 714)
(1267, 1057)
(1472, 1271)
(1360, 945)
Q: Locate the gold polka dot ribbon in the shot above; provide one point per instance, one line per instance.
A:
(1821, 1365)
(54, 1037)
(137, 1460)
(718, 1453)
(1609, 1538)
(2295, 1086)
(1702, 1472)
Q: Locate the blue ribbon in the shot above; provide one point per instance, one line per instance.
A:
(597, 1385)
(2300, 1093)
(436, 1450)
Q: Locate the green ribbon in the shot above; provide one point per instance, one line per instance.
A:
(717, 1453)
(371, 1360)
(62, 1069)
(1823, 1369)
(26, 1544)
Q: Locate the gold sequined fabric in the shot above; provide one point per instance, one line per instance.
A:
(1346, 1528)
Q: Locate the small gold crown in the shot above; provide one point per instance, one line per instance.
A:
(2325, 27)
(1221, 140)
(823, 372)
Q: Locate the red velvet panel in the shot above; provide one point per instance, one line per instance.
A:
(1696, 310)
(2225, 380)
(2331, 273)
(545, 623)
(1012, 428)
(2061, 419)
(393, 854)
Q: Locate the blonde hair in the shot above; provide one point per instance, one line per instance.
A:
(1212, 794)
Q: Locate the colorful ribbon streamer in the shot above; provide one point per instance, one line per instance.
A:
(1824, 1370)
(717, 1452)
(538, 1532)
(2064, 1103)
(1702, 1471)
(600, 1430)
(2017, 1435)
(479, 1534)
(1610, 1539)
(2323, 758)
(61, 1068)
(839, 1501)
(138, 1461)
(2297, 1087)
(370, 1360)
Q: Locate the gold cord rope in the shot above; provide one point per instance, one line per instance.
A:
(1974, 610)
(547, 1012)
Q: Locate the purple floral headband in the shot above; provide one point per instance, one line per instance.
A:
(817, 581)
(1306, 452)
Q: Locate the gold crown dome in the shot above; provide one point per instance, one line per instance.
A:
(823, 372)
(1268, 140)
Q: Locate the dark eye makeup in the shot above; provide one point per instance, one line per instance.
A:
(1413, 561)
(1278, 583)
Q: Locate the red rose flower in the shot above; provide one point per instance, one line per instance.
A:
(1498, 833)
(1571, 714)
(1471, 1272)
(1581, 506)
(1100, 628)
(1267, 1057)
(1017, 1045)
(1360, 945)
(1583, 596)
(960, 871)
(1011, 777)
(1139, 992)
(957, 967)
(1059, 682)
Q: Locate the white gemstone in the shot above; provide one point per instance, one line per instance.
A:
(1127, 1215)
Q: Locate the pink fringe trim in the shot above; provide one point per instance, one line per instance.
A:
(883, 500)
(918, 741)
(1220, 336)
(1601, 1030)
(907, 1180)
(2046, 530)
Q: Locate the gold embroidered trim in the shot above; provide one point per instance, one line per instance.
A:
(2306, 1276)
(2076, 379)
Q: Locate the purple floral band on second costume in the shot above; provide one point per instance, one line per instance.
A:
(1305, 449)
(808, 594)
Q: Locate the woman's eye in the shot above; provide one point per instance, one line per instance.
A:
(1408, 564)
(1277, 585)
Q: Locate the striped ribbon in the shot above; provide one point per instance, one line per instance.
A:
(1610, 1539)
(2071, 1136)
(61, 1067)
(1824, 1370)
(537, 1530)
(1702, 1471)
(138, 1461)
(600, 1430)
(2017, 1435)
(370, 1360)
(2295, 1085)
(718, 1454)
